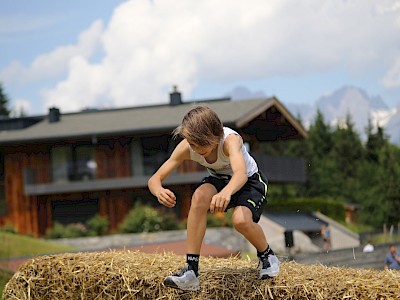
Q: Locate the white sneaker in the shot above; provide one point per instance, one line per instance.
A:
(269, 266)
(185, 280)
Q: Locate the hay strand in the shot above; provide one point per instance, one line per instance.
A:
(135, 275)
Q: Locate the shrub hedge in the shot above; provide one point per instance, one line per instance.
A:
(332, 208)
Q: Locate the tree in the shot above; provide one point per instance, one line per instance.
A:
(347, 154)
(375, 142)
(320, 137)
(319, 166)
(4, 111)
(390, 182)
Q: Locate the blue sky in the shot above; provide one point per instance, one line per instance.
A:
(78, 54)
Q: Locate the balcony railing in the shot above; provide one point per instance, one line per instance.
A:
(276, 169)
(31, 188)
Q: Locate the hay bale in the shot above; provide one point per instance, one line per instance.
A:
(135, 275)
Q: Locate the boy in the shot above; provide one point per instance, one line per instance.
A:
(392, 259)
(234, 182)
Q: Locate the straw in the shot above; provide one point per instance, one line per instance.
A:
(136, 275)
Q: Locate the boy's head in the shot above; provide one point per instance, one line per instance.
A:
(201, 126)
(392, 249)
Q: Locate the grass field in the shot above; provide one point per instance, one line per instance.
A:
(4, 278)
(14, 245)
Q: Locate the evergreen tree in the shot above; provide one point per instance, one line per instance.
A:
(347, 154)
(4, 111)
(319, 167)
(320, 137)
(390, 183)
(375, 142)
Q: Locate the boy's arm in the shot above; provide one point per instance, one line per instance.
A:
(165, 196)
(233, 149)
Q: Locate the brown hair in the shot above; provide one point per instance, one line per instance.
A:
(201, 126)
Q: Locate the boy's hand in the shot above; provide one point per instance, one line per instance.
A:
(219, 202)
(166, 198)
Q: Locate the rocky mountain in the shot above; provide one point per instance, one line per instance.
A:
(337, 105)
(356, 102)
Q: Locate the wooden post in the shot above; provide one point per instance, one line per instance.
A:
(391, 232)
(398, 230)
(384, 232)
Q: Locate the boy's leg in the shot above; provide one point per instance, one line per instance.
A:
(187, 278)
(242, 219)
(197, 218)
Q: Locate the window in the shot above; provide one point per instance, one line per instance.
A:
(60, 159)
(74, 211)
(137, 158)
(84, 164)
(73, 163)
(149, 153)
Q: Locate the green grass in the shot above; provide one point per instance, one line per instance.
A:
(14, 245)
(381, 239)
(4, 278)
(358, 228)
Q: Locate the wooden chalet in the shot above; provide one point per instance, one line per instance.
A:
(69, 167)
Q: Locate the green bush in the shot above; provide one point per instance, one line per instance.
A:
(332, 208)
(169, 220)
(97, 225)
(8, 228)
(144, 218)
(56, 232)
(66, 231)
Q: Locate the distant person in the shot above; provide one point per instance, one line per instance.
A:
(392, 259)
(369, 247)
(326, 238)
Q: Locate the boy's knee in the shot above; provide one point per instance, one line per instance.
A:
(242, 218)
(200, 200)
(240, 223)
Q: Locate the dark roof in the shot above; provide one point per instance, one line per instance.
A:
(297, 221)
(140, 120)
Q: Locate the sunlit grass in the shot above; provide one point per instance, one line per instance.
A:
(4, 278)
(385, 238)
(14, 245)
(358, 228)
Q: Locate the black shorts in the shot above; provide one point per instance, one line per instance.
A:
(252, 195)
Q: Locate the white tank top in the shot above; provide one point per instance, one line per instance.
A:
(222, 165)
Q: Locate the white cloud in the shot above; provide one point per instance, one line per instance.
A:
(392, 77)
(21, 107)
(49, 65)
(85, 84)
(151, 45)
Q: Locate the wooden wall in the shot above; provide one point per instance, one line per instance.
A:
(113, 159)
(33, 214)
(23, 212)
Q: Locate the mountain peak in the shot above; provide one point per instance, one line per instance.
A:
(348, 94)
(353, 101)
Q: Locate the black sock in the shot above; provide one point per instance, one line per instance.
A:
(266, 252)
(193, 262)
